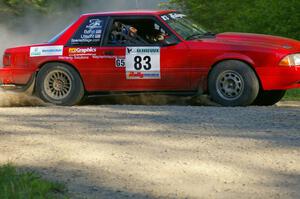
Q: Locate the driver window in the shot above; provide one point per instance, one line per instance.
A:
(136, 32)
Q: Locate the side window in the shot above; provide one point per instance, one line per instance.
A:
(157, 34)
(137, 31)
(90, 33)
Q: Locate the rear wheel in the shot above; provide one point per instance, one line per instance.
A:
(269, 98)
(59, 84)
(233, 83)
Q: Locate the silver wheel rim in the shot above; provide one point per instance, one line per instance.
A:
(230, 85)
(57, 84)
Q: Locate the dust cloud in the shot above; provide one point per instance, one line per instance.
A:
(13, 99)
(33, 28)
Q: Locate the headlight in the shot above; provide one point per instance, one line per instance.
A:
(291, 60)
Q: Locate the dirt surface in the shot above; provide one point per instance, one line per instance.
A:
(294, 104)
(114, 151)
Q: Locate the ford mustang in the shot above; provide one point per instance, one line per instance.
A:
(162, 52)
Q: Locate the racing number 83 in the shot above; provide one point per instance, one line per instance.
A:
(142, 62)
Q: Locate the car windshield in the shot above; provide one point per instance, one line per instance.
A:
(184, 26)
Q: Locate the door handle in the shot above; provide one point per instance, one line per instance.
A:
(109, 52)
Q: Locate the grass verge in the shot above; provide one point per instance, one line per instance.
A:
(292, 95)
(19, 185)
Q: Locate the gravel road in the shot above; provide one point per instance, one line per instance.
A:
(115, 151)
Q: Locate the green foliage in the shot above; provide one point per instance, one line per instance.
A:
(257, 16)
(273, 17)
(293, 95)
(43, 7)
(17, 7)
(14, 185)
(21, 15)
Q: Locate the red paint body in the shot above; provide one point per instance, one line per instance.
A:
(184, 67)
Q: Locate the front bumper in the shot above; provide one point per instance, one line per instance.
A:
(279, 78)
(20, 80)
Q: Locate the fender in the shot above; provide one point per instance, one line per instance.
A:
(234, 56)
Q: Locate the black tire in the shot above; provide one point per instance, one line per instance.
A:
(233, 83)
(59, 84)
(269, 98)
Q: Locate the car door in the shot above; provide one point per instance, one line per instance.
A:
(141, 66)
(84, 51)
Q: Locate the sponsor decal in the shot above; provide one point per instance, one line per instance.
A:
(82, 51)
(105, 57)
(94, 24)
(148, 50)
(91, 33)
(120, 62)
(142, 63)
(135, 75)
(81, 57)
(46, 51)
(73, 58)
(143, 75)
(172, 16)
(65, 58)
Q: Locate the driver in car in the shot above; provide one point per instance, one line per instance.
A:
(125, 34)
(157, 37)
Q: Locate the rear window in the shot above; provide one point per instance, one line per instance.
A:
(56, 37)
(90, 33)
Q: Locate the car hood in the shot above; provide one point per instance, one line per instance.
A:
(258, 40)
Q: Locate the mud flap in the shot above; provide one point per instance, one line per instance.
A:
(30, 89)
(27, 89)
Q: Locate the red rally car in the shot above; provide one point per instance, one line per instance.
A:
(161, 52)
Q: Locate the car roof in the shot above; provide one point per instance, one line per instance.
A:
(131, 12)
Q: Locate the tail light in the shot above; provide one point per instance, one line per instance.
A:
(6, 59)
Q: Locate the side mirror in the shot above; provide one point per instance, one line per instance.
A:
(171, 41)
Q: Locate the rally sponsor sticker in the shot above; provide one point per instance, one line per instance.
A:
(92, 32)
(40, 51)
(142, 63)
(172, 16)
(120, 62)
(82, 51)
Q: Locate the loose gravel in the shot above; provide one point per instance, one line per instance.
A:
(115, 151)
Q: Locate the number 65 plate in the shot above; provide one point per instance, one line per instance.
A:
(142, 63)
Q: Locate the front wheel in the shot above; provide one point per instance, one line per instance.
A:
(269, 98)
(59, 84)
(233, 83)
